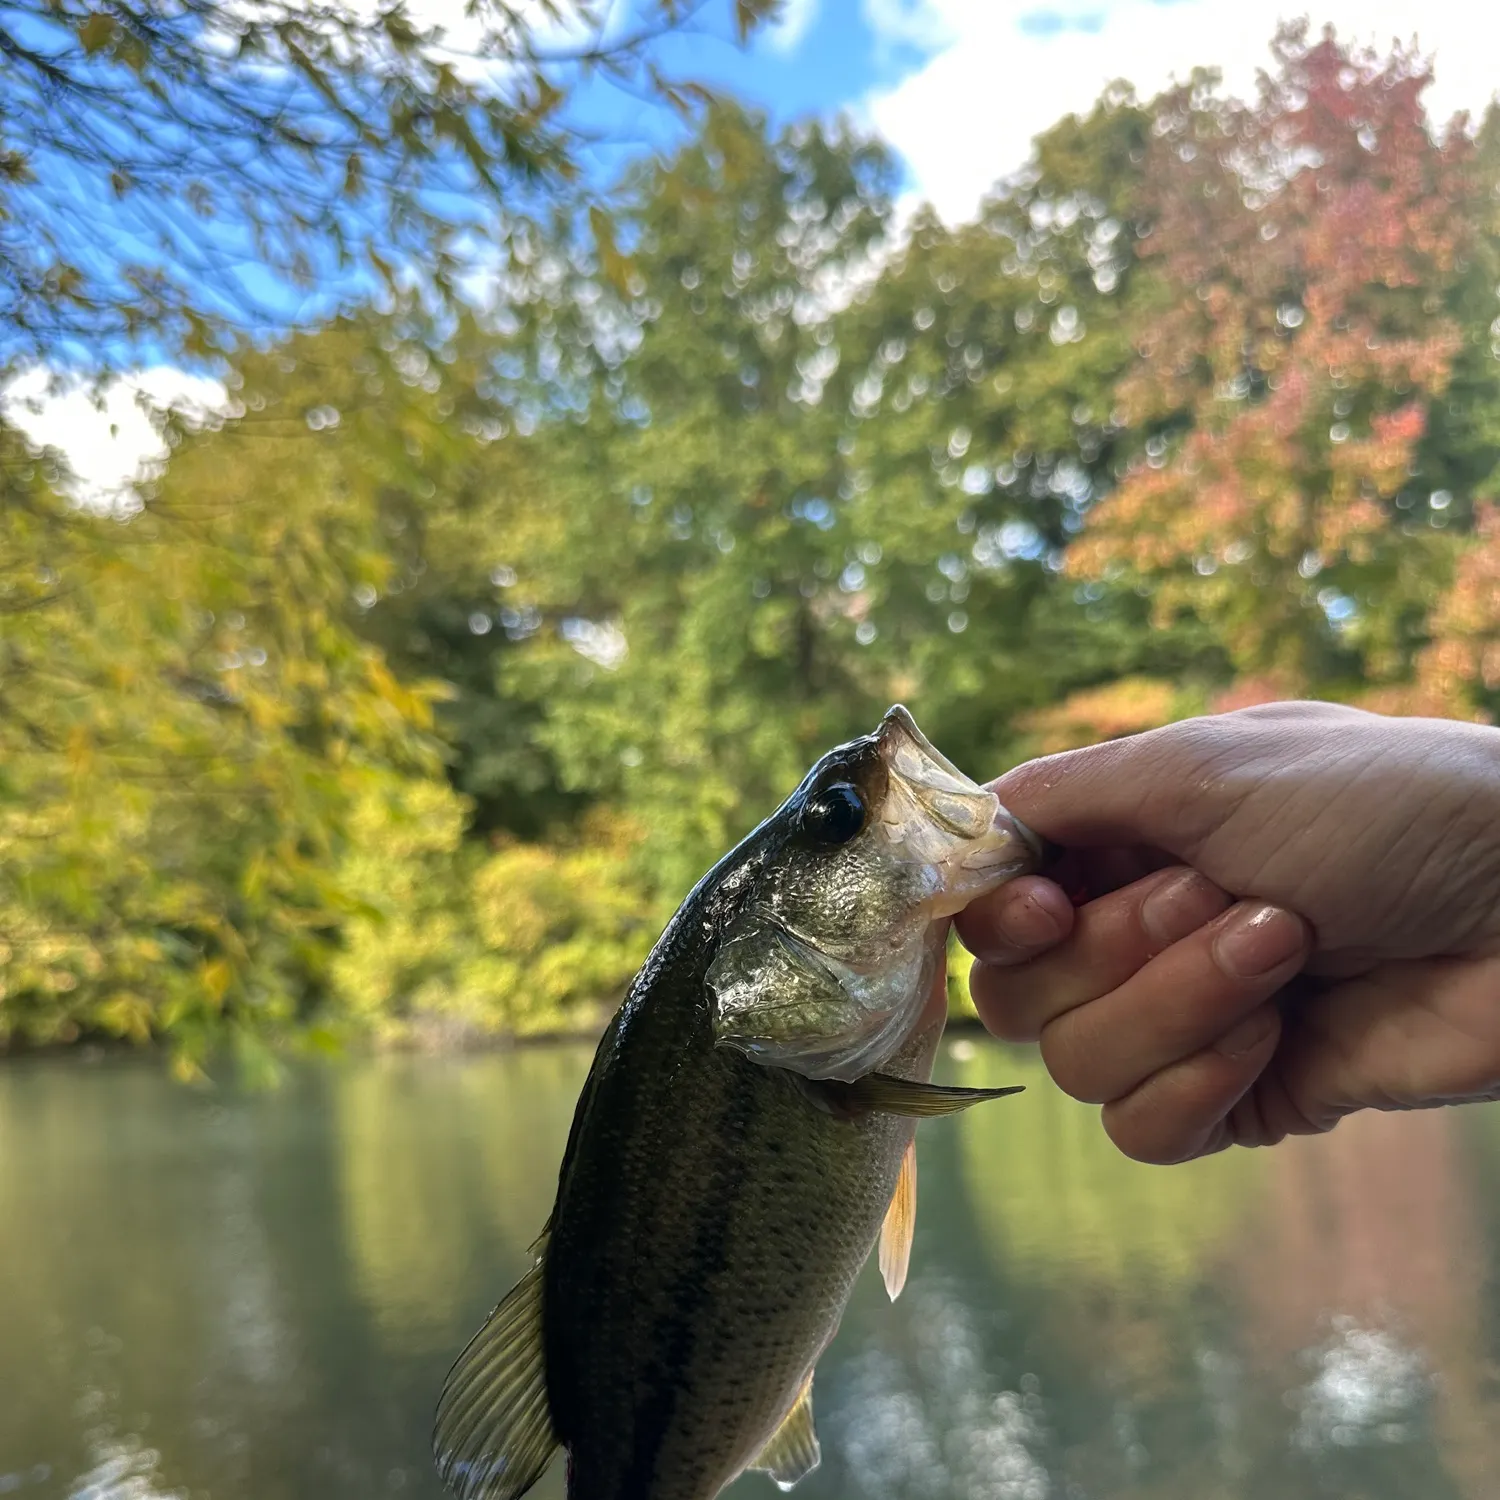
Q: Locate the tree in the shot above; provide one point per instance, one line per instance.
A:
(179, 173)
(987, 359)
(428, 680)
(675, 581)
(189, 717)
(1307, 252)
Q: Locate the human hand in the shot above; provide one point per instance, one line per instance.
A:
(1200, 1020)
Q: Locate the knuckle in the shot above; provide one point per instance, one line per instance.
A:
(1005, 1027)
(1147, 1140)
(1073, 1062)
(1004, 1006)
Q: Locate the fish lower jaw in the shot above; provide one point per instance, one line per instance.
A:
(947, 904)
(966, 877)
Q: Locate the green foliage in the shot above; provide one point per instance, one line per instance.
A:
(175, 172)
(426, 683)
(189, 713)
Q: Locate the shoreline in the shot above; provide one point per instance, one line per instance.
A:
(437, 1042)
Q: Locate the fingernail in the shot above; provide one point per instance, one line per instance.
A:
(1028, 924)
(1180, 906)
(1249, 1034)
(1256, 939)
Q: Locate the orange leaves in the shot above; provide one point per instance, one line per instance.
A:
(1294, 346)
(1124, 707)
(1462, 665)
(1251, 692)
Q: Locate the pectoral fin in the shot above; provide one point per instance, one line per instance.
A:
(900, 1224)
(920, 1101)
(493, 1434)
(793, 1452)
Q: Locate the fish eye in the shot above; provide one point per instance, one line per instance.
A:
(834, 814)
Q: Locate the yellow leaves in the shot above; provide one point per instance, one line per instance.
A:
(79, 753)
(186, 1068)
(123, 675)
(266, 710)
(161, 838)
(323, 1041)
(514, 898)
(616, 266)
(568, 919)
(307, 672)
(407, 934)
(379, 677)
(137, 951)
(214, 977)
(1118, 708)
(398, 819)
(254, 879)
(748, 14)
(411, 702)
(97, 33)
(126, 1015)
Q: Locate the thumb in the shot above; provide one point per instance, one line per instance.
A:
(1155, 789)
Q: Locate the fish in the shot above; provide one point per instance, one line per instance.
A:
(745, 1136)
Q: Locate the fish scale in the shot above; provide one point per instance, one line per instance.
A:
(737, 1147)
(760, 1210)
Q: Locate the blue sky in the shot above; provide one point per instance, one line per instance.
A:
(958, 88)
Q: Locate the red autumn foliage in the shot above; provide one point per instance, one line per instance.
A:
(1291, 345)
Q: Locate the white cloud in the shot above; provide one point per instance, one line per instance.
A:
(909, 23)
(110, 443)
(785, 33)
(1002, 71)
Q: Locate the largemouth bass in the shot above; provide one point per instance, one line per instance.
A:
(743, 1138)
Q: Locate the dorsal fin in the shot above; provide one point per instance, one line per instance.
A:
(793, 1452)
(900, 1224)
(493, 1437)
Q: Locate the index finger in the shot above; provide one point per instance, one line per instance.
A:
(1022, 918)
(1113, 937)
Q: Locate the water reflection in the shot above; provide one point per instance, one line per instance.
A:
(447, 1173)
(255, 1298)
(1390, 1293)
(936, 1418)
(1136, 1230)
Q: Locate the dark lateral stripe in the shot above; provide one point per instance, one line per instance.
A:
(674, 1334)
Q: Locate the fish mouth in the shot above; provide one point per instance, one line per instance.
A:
(936, 815)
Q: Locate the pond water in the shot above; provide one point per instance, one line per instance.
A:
(255, 1297)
